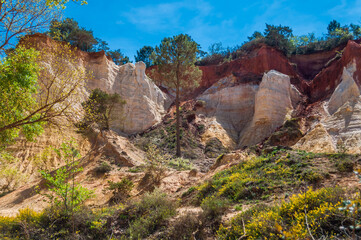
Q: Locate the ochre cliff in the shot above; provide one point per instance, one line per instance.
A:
(246, 99)
(145, 102)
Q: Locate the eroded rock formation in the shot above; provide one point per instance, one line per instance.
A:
(145, 102)
(272, 105)
(248, 112)
(339, 126)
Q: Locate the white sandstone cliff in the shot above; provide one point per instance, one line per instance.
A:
(247, 112)
(145, 102)
(341, 119)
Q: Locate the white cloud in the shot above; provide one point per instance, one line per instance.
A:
(347, 10)
(198, 18)
(166, 15)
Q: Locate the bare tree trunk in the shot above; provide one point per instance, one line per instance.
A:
(178, 154)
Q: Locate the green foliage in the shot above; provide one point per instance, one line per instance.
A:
(144, 54)
(180, 164)
(118, 57)
(99, 108)
(281, 37)
(68, 30)
(62, 3)
(258, 177)
(103, 167)
(10, 175)
(312, 212)
(64, 192)
(255, 35)
(343, 162)
(214, 207)
(214, 148)
(18, 89)
(278, 37)
(101, 46)
(148, 215)
(121, 190)
(53, 224)
(155, 165)
(175, 58)
(332, 27)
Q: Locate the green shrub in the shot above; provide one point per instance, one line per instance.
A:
(288, 221)
(214, 207)
(121, 190)
(149, 215)
(260, 177)
(311, 176)
(103, 168)
(180, 164)
(184, 227)
(99, 108)
(64, 192)
(155, 165)
(214, 148)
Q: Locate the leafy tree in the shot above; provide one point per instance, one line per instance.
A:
(278, 36)
(101, 45)
(61, 3)
(83, 39)
(61, 30)
(216, 48)
(356, 30)
(99, 107)
(118, 57)
(64, 192)
(144, 54)
(175, 58)
(68, 30)
(332, 27)
(38, 88)
(255, 35)
(18, 87)
(20, 17)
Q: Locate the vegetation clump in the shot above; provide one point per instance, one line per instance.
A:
(259, 177)
(99, 109)
(312, 214)
(146, 216)
(121, 190)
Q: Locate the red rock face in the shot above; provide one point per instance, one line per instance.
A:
(309, 65)
(248, 68)
(325, 82)
(315, 75)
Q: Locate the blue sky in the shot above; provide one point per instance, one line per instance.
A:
(129, 25)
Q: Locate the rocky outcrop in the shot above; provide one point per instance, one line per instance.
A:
(309, 65)
(339, 126)
(346, 91)
(326, 81)
(249, 113)
(318, 140)
(145, 102)
(230, 107)
(249, 68)
(272, 105)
